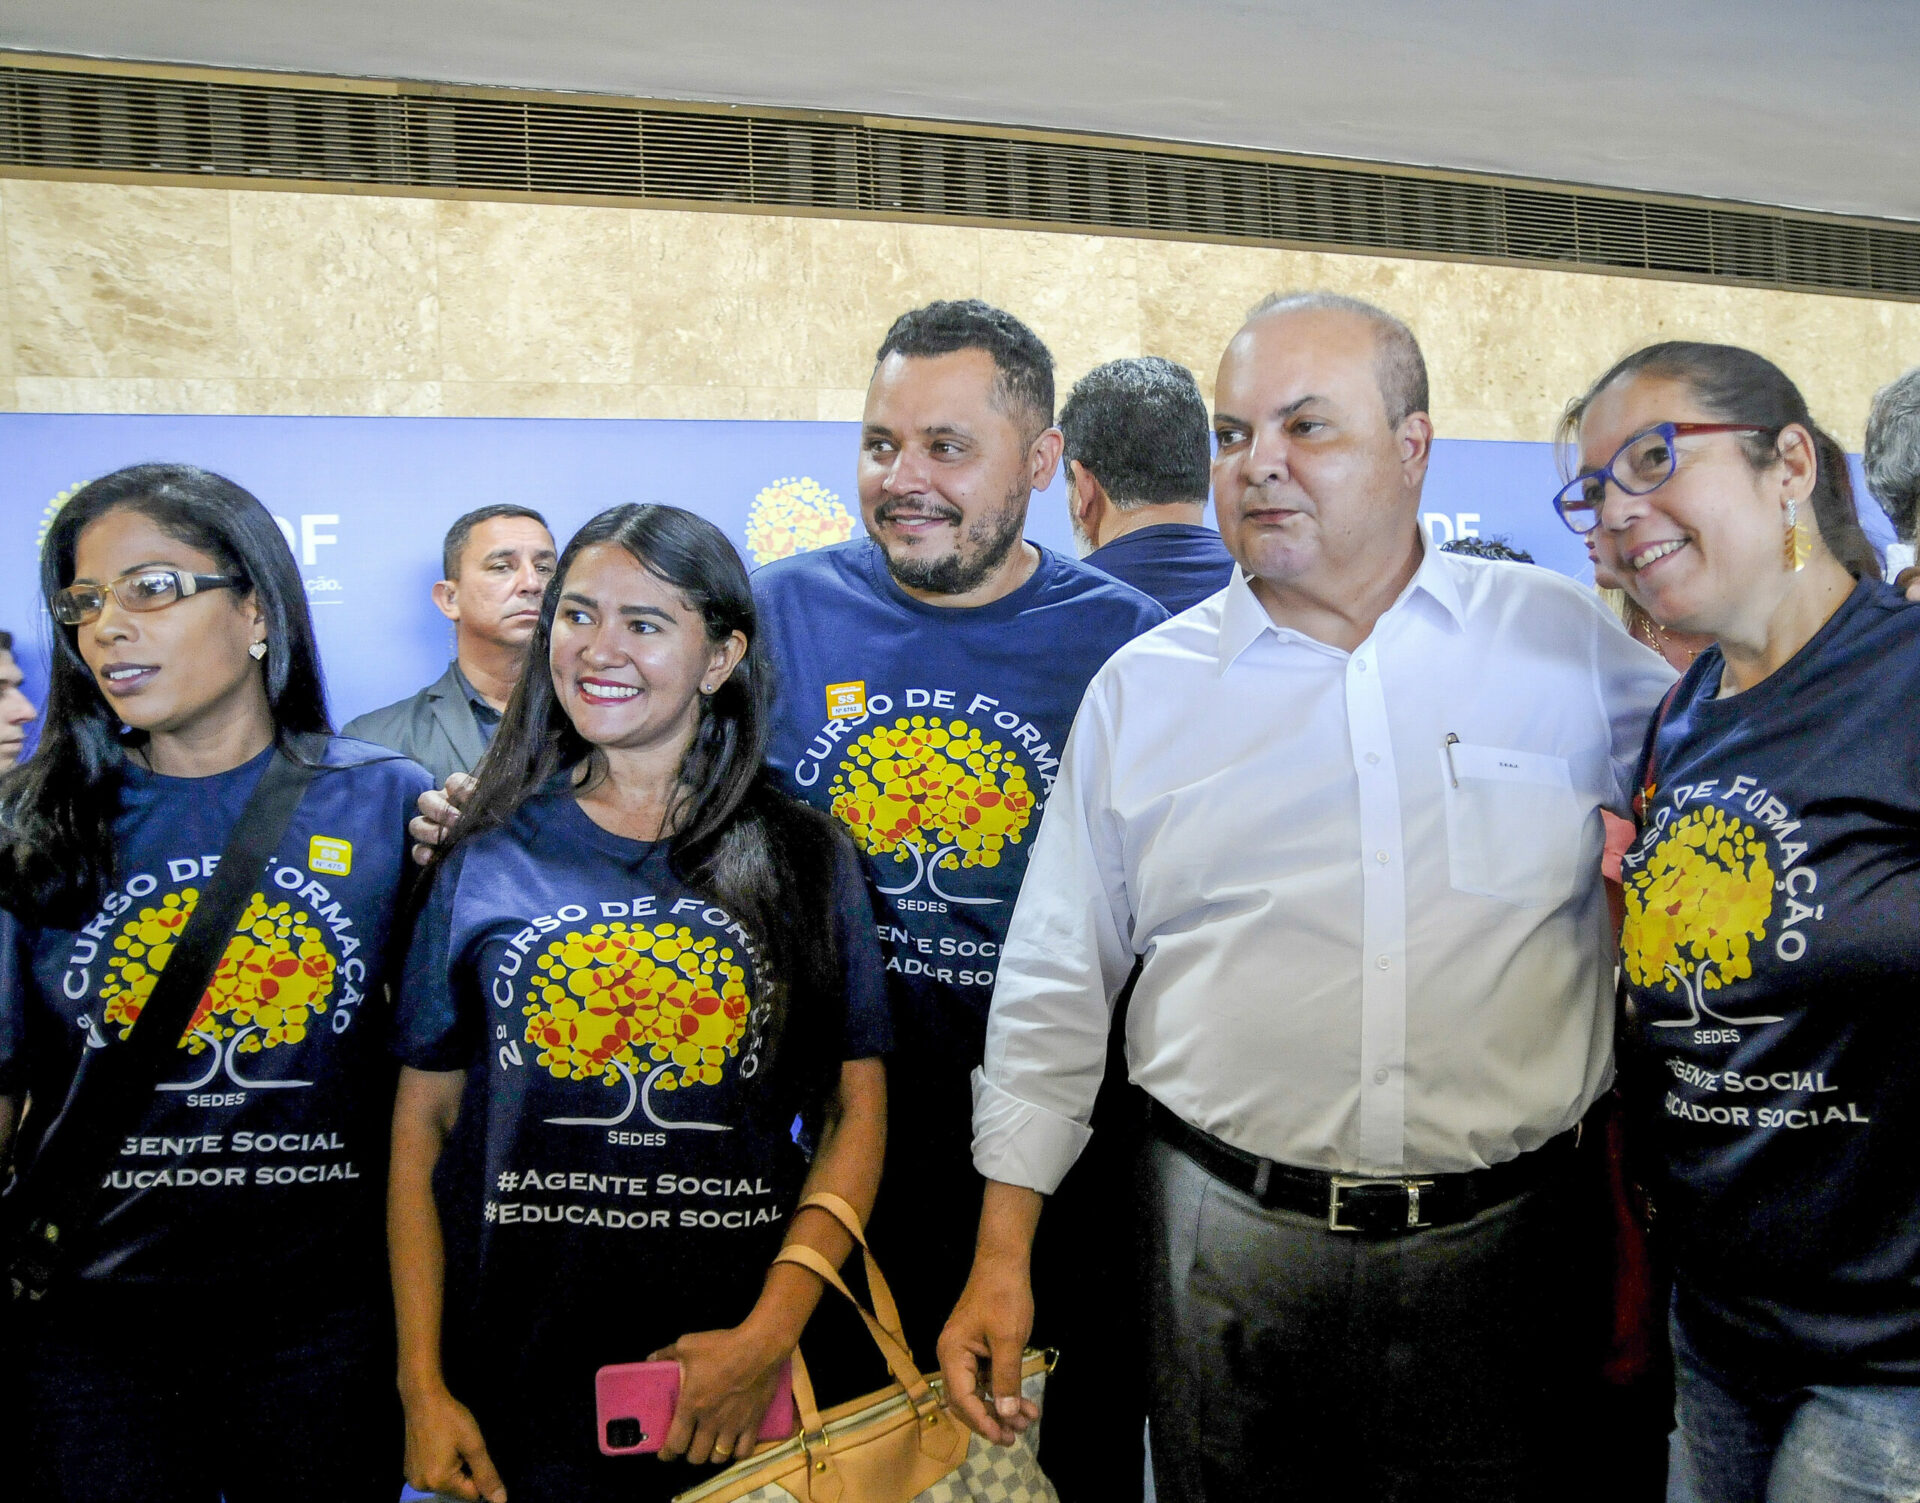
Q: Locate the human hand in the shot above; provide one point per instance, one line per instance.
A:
(446, 1454)
(982, 1346)
(439, 813)
(727, 1380)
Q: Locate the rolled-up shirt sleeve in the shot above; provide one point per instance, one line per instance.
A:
(1067, 954)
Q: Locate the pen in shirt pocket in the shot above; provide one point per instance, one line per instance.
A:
(1447, 746)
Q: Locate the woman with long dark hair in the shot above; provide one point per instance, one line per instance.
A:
(1772, 927)
(638, 965)
(219, 1326)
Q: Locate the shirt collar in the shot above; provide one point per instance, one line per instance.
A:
(472, 694)
(1243, 619)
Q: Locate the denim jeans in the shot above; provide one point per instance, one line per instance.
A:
(1736, 1441)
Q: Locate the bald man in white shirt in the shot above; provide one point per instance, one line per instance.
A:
(1345, 819)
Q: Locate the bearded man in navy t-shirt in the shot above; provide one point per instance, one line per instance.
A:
(927, 677)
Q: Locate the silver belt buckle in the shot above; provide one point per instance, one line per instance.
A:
(1338, 1184)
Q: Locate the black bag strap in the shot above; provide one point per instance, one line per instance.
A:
(113, 1086)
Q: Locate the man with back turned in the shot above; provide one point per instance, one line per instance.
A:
(1135, 451)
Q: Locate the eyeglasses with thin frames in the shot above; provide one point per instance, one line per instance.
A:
(136, 590)
(1640, 466)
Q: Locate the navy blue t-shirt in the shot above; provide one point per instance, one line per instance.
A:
(934, 735)
(608, 1187)
(1772, 951)
(1178, 563)
(261, 1162)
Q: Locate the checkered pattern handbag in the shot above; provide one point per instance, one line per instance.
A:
(899, 1444)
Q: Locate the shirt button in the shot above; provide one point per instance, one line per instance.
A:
(1383, 962)
(1359, 665)
(1381, 857)
(1379, 1077)
(1373, 758)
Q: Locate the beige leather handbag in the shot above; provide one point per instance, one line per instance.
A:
(899, 1444)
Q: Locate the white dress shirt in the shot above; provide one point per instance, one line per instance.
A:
(1366, 947)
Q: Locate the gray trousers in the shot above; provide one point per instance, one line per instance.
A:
(1295, 1362)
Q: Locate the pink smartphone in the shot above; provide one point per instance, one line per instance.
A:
(634, 1402)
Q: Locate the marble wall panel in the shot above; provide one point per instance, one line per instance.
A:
(539, 399)
(219, 396)
(328, 286)
(715, 299)
(1193, 297)
(1079, 293)
(111, 280)
(132, 298)
(534, 292)
(864, 275)
(327, 398)
(6, 300)
(840, 404)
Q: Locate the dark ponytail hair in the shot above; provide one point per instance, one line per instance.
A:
(1737, 386)
(57, 808)
(733, 836)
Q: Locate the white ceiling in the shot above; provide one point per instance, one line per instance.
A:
(1807, 103)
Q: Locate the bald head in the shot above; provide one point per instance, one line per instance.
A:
(1398, 366)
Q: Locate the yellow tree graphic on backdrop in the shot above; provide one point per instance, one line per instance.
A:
(795, 515)
(935, 793)
(1694, 909)
(275, 976)
(621, 999)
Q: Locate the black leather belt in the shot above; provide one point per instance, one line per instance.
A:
(1353, 1203)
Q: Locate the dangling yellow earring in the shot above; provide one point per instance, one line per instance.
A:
(1799, 546)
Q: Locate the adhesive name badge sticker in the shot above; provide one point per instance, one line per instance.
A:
(1502, 765)
(847, 701)
(331, 856)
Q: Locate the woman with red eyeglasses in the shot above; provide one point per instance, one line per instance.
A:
(1772, 923)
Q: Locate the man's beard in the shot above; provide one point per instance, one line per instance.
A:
(983, 547)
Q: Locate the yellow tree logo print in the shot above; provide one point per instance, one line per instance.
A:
(52, 510)
(620, 1001)
(273, 980)
(1693, 911)
(934, 793)
(795, 515)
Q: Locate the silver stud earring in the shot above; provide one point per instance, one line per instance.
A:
(257, 651)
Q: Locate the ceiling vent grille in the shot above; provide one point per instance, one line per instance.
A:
(493, 144)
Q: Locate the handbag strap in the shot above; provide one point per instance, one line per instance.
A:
(883, 1303)
(899, 1361)
(114, 1085)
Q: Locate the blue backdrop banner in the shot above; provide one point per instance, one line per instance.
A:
(364, 503)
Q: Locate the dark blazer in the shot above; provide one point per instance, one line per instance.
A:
(435, 728)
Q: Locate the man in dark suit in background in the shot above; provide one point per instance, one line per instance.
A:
(1136, 457)
(496, 563)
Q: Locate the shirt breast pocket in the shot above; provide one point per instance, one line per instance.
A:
(1513, 824)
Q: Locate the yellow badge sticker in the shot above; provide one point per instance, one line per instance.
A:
(847, 701)
(334, 857)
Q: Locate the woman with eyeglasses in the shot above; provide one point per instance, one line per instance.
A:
(1771, 945)
(219, 1328)
(639, 964)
